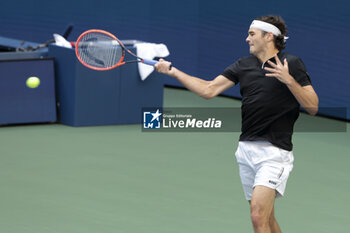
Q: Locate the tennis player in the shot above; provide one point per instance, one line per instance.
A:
(273, 85)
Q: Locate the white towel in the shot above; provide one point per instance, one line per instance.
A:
(61, 41)
(149, 51)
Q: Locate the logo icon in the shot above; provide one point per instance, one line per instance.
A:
(272, 182)
(152, 119)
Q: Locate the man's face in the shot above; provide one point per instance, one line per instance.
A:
(256, 41)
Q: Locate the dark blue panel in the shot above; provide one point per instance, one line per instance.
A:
(20, 104)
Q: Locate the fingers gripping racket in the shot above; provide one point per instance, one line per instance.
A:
(101, 50)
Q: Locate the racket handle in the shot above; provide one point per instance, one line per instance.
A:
(149, 62)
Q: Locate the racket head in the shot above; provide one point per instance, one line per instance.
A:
(99, 50)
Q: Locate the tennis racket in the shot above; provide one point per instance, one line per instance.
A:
(101, 50)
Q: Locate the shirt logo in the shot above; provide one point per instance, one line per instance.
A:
(272, 182)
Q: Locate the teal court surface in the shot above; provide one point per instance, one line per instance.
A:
(118, 179)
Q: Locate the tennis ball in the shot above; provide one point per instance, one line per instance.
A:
(33, 82)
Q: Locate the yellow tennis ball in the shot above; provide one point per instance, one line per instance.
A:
(33, 82)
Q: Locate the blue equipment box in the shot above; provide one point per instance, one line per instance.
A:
(87, 97)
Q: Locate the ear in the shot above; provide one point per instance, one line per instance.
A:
(269, 36)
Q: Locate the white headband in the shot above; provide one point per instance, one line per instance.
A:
(267, 27)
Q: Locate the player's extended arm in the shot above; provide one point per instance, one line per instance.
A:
(203, 88)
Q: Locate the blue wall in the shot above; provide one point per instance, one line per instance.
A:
(204, 37)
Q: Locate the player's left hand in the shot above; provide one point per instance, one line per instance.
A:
(279, 71)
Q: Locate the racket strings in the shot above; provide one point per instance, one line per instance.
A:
(100, 50)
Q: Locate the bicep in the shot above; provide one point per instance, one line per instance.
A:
(220, 84)
(311, 92)
(309, 89)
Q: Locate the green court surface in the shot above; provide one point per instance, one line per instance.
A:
(118, 179)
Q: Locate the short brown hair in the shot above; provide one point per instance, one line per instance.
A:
(281, 25)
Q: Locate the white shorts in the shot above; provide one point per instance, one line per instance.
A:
(261, 163)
